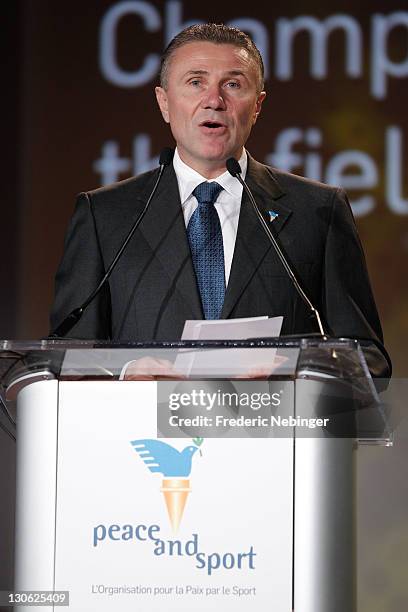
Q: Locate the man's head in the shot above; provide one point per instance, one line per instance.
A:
(211, 92)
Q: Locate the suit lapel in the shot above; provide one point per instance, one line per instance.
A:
(164, 230)
(252, 244)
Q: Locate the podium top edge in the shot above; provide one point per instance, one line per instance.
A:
(58, 344)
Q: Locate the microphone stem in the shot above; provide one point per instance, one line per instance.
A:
(125, 243)
(74, 316)
(281, 256)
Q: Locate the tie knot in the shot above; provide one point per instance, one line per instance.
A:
(207, 193)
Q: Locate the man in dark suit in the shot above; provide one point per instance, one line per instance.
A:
(211, 94)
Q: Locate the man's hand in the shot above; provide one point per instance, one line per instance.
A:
(149, 368)
(264, 372)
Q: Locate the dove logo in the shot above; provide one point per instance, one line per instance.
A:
(175, 467)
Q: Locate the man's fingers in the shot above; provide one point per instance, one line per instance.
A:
(150, 368)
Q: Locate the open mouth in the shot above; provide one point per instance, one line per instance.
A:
(212, 124)
(213, 127)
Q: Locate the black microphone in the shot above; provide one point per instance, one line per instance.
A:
(166, 157)
(234, 169)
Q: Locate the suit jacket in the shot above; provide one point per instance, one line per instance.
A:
(153, 289)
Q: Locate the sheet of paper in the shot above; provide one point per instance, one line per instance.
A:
(228, 363)
(223, 329)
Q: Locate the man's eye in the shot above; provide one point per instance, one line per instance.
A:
(233, 85)
(195, 82)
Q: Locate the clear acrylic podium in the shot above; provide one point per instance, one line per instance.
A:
(226, 482)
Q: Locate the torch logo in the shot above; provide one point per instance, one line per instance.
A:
(175, 466)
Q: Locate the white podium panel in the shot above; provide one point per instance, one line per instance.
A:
(37, 425)
(115, 547)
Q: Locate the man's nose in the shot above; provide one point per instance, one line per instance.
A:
(214, 99)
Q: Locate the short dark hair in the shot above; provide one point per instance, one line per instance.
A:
(217, 33)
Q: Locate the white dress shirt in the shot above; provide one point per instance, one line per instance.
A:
(227, 205)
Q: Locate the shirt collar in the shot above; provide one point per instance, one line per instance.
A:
(188, 179)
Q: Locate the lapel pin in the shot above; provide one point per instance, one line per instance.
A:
(272, 215)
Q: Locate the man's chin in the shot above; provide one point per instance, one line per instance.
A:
(209, 156)
(216, 155)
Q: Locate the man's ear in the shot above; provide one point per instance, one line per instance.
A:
(258, 107)
(161, 97)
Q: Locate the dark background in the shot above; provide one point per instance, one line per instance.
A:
(61, 112)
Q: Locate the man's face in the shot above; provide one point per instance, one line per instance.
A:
(211, 102)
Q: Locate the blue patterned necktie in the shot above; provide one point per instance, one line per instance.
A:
(207, 249)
